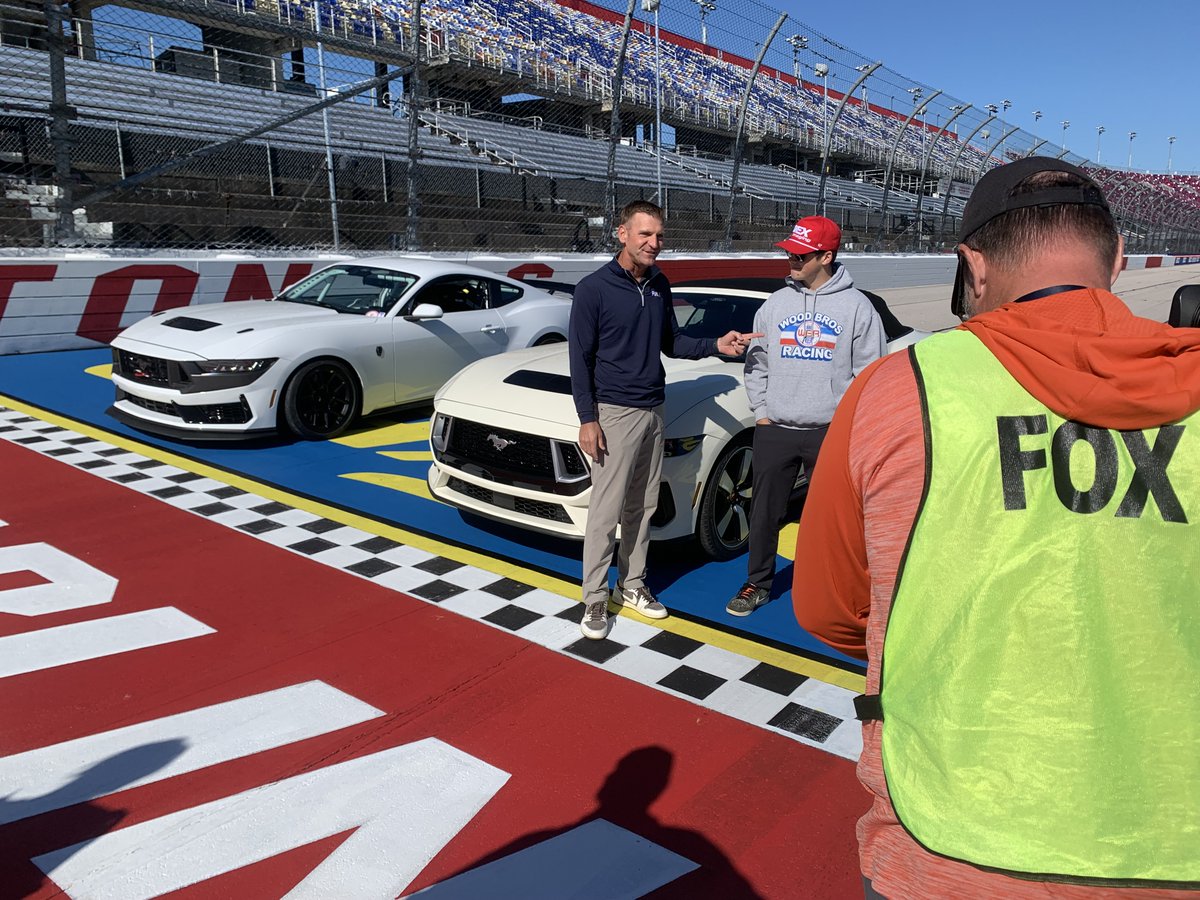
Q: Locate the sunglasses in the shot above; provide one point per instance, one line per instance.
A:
(803, 257)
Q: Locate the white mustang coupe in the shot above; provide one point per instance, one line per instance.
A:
(504, 435)
(354, 338)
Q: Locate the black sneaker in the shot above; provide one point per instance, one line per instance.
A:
(747, 600)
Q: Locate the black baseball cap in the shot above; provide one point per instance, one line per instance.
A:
(993, 196)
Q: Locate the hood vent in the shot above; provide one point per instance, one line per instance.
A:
(540, 381)
(185, 323)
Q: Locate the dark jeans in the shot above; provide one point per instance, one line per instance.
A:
(778, 454)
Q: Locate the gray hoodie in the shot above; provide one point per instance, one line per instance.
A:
(816, 342)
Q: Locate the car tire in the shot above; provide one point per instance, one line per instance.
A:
(723, 524)
(321, 400)
(549, 339)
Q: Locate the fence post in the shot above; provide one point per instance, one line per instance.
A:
(614, 133)
(60, 139)
(414, 150)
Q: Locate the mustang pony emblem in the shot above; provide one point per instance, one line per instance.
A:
(499, 443)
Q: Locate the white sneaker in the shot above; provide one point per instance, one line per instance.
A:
(595, 620)
(640, 600)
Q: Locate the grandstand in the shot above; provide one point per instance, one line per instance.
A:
(501, 138)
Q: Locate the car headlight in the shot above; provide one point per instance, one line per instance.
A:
(234, 366)
(681, 446)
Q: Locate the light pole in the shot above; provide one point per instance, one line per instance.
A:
(992, 152)
(991, 108)
(916, 92)
(918, 110)
(956, 111)
(799, 42)
(652, 6)
(1170, 147)
(822, 70)
(706, 6)
(1066, 123)
(1099, 131)
(866, 69)
(1129, 162)
(1037, 114)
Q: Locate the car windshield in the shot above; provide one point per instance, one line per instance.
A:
(711, 315)
(358, 290)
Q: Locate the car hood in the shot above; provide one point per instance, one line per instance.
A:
(537, 384)
(215, 329)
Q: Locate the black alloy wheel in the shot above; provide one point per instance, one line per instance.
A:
(723, 528)
(321, 400)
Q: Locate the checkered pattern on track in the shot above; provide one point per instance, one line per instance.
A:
(808, 710)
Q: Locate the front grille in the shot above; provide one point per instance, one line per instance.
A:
(511, 452)
(536, 508)
(144, 369)
(217, 413)
(165, 409)
(211, 414)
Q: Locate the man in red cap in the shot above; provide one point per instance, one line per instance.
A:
(819, 332)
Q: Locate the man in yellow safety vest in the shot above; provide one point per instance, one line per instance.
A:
(1006, 526)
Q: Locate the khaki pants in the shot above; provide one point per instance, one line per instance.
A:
(625, 493)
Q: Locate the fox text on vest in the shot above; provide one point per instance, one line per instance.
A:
(1149, 476)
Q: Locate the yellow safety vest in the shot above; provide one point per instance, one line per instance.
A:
(1040, 683)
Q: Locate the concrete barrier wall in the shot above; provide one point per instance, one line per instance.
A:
(70, 303)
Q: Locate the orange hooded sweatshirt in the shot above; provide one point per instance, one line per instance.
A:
(1085, 356)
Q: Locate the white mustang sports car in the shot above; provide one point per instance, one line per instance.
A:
(504, 435)
(351, 339)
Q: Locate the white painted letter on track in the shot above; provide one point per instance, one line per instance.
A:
(71, 583)
(405, 805)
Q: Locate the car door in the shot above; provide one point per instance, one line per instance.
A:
(428, 351)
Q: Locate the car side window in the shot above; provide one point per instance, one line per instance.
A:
(456, 293)
(506, 293)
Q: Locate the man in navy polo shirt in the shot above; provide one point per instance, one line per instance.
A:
(621, 322)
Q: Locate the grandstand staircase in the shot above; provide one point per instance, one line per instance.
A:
(27, 217)
(493, 153)
(680, 162)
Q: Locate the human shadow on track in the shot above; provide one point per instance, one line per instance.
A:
(60, 821)
(624, 800)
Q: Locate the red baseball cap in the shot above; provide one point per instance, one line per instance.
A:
(812, 233)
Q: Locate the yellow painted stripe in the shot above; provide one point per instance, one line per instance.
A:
(405, 483)
(555, 585)
(103, 371)
(787, 540)
(400, 433)
(408, 455)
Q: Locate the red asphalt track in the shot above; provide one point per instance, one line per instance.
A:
(762, 815)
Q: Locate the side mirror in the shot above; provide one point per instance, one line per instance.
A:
(424, 311)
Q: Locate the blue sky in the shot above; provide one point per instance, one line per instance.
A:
(1127, 66)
